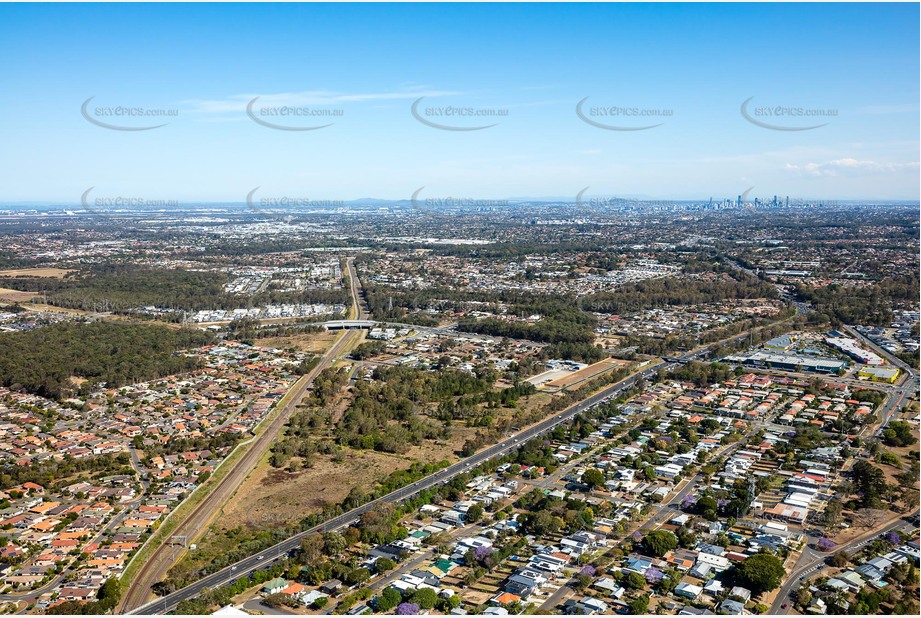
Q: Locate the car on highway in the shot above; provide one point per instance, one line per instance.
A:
(784, 606)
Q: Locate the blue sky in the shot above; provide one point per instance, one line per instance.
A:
(698, 62)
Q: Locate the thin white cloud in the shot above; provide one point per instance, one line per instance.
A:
(544, 103)
(237, 103)
(903, 108)
(541, 87)
(850, 166)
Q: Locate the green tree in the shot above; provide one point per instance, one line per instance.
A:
(109, 594)
(634, 580)
(357, 576)
(871, 483)
(388, 600)
(279, 600)
(640, 605)
(832, 514)
(446, 605)
(541, 522)
(474, 514)
(382, 565)
(582, 581)
(593, 477)
(760, 573)
(707, 507)
(803, 597)
(311, 550)
(333, 543)
(686, 537)
(898, 433)
(425, 598)
(660, 542)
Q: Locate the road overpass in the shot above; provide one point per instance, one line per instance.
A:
(349, 324)
(157, 564)
(276, 552)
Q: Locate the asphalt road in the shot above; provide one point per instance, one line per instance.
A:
(898, 362)
(276, 552)
(157, 565)
(31, 595)
(898, 395)
(357, 297)
(662, 513)
(811, 560)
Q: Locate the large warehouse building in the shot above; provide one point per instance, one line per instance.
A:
(788, 362)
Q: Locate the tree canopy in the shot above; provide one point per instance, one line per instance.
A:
(760, 573)
(45, 360)
(660, 542)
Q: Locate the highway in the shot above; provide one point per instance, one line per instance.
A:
(274, 553)
(270, 555)
(898, 362)
(358, 299)
(157, 564)
(897, 395)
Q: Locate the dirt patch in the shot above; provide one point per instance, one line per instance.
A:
(53, 309)
(278, 476)
(308, 342)
(847, 535)
(476, 597)
(51, 273)
(588, 373)
(15, 296)
(272, 497)
(437, 451)
(534, 402)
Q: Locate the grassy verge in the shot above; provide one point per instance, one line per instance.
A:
(178, 515)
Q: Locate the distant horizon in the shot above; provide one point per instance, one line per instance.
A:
(511, 201)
